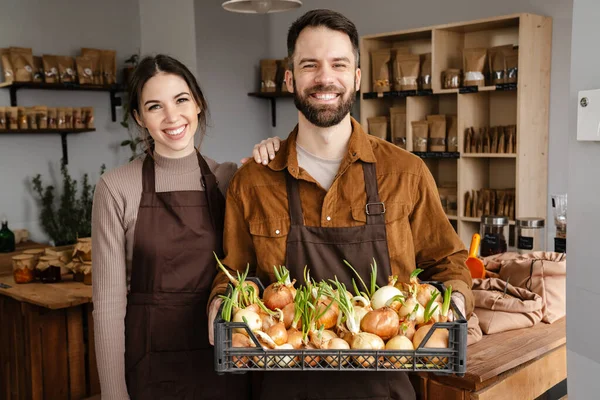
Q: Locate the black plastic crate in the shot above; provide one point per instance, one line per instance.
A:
(441, 361)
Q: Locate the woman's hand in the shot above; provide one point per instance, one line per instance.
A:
(264, 151)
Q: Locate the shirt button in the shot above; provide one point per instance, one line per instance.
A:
(328, 218)
(277, 232)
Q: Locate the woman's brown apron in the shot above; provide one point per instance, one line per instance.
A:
(167, 352)
(323, 251)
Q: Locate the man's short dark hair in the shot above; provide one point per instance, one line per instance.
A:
(327, 18)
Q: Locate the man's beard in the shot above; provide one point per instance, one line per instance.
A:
(323, 116)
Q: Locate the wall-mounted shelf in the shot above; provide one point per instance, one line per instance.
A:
(112, 89)
(272, 96)
(396, 94)
(62, 132)
(436, 155)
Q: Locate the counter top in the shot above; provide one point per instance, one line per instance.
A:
(50, 295)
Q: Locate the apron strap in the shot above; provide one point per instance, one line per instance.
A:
(374, 208)
(148, 185)
(213, 195)
(294, 203)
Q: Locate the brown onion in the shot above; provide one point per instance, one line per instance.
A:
(278, 333)
(240, 340)
(383, 322)
(254, 307)
(366, 341)
(311, 361)
(288, 315)
(424, 293)
(399, 343)
(336, 344)
(277, 295)
(295, 338)
(253, 285)
(407, 328)
(330, 318)
(318, 339)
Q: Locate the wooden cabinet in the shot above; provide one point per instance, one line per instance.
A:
(524, 105)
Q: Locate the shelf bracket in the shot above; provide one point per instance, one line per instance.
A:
(114, 103)
(273, 112)
(13, 96)
(65, 153)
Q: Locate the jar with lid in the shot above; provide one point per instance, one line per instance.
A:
(23, 266)
(494, 235)
(531, 235)
(49, 269)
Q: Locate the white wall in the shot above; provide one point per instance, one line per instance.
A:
(229, 49)
(168, 27)
(61, 27)
(392, 15)
(583, 275)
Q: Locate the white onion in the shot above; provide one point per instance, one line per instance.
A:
(253, 320)
(382, 295)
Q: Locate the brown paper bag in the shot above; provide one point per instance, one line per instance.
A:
(486, 140)
(501, 140)
(88, 115)
(22, 64)
(398, 122)
(31, 118)
(22, 117)
(2, 118)
(12, 118)
(95, 55)
(52, 118)
(512, 65)
(409, 65)
(41, 116)
(50, 69)
(452, 128)
(437, 133)
(468, 204)
(467, 140)
(109, 67)
(420, 134)
(60, 118)
(66, 69)
(69, 117)
(502, 307)
(378, 126)
(7, 69)
(479, 141)
(38, 69)
(268, 72)
(473, 66)
(497, 64)
(473, 141)
(543, 273)
(85, 72)
(380, 60)
(78, 118)
(425, 75)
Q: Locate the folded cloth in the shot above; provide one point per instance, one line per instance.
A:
(501, 306)
(474, 333)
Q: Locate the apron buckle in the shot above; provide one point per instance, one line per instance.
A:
(379, 211)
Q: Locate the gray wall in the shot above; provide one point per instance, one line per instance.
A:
(61, 27)
(392, 15)
(583, 295)
(229, 49)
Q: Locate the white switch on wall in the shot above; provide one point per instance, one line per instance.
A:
(588, 115)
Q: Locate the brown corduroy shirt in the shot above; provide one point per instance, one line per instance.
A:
(419, 234)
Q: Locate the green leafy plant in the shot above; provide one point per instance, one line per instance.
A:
(67, 216)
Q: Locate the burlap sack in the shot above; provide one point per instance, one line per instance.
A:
(543, 273)
(499, 312)
(474, 333)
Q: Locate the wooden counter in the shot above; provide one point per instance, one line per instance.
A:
(47, 341)
(520, 364)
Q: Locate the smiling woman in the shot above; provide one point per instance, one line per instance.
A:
(156, 223)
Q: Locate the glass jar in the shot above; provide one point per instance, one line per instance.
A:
(23, 267)
(49, 269)
(531, 235)
(494, 235)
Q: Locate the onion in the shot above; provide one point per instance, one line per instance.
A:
(438, 339)
(286, 361)
(384, 294)
(250, 318)
(277, 295)
(347, 336)
(383, 322)
(424, 293)
(288, 315)
(407, 328)
(330, 317)
(336, 344)
(359, 314)
(240, 340)
(409, 307)
(254, 307)
(278, 333)
(267, 321)
(311, 361)
(295, 339)
(399, 343)
(366, 341)
(318, 339)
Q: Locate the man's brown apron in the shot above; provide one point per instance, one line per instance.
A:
(323, 251)
(167, 352)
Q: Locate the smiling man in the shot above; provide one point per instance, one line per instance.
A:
(334, 193)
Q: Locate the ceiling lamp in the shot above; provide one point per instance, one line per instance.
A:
(260, 6)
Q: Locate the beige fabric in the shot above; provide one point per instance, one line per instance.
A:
(321, 169)
(541, 272)
(500, 312)
(474, 333)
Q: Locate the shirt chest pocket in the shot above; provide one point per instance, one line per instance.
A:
(276, 228)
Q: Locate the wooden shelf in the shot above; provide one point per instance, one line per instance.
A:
(478, 220)
(112, 89)
(62, 132)
(452, 217)
(487, 155)
(396, 94)
(436, 155)
(478, 107)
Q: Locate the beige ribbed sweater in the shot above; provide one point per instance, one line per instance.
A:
(116, 202)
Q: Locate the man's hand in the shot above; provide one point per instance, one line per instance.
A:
(264, 151)
(212, 315)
